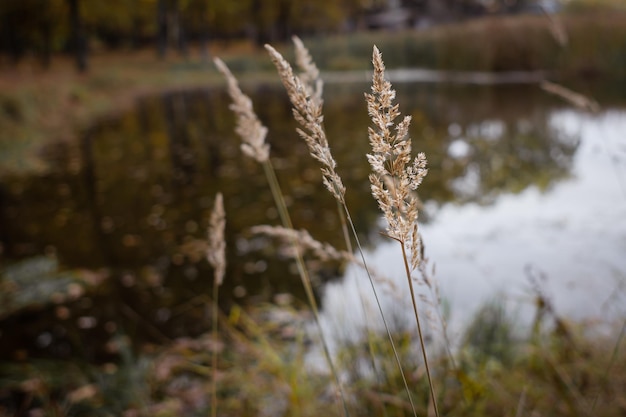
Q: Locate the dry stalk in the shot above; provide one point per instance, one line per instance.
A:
(322, 251)
(577, 99)
(305, 94)
(394, 180)
(216, 256)
(307, 110)
(310, 77)
(253, 135)
(249, 127)
(216, 251)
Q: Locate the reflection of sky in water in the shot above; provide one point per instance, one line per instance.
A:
(574, 234)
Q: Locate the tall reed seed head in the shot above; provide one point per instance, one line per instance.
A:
(309, 73)
(216, 250)
(322, 251)
(395, 175)
(249, 127)
(307, 111)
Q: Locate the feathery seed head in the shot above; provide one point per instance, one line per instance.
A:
(394, 178)
(305, 96)
(302, 238)
(309, 73)
(216, 250)
(249, 127)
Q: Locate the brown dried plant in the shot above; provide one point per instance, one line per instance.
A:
(574, 98)
(249, 127)
(309, 73)
(216, 251)
(307, 110)
(253, 133)
(395, 177)
(394, 180)
(216, 256)
(323, 251)
(305, 94)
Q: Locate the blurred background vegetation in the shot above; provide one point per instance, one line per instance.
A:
(42, 28)
(107, 172)
(129, 48)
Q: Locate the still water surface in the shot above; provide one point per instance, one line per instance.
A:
(567, 240)
(519, 185)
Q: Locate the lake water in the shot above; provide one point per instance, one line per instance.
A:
(567, 239)
(520, 184)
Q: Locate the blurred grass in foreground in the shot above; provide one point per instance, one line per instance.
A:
(549, 370)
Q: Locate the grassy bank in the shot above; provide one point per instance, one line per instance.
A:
(547, 370)
(39, 107)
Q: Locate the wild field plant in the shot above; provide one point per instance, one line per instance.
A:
(483, 385)
(395, 178)
(253, 133)
(216, 256)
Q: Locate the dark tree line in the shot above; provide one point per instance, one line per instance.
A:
(43, 27)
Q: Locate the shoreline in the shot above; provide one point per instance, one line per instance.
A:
(417, 75)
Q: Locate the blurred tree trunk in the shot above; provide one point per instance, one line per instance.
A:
(203, 19)
(260, 33)
(182, 159)
(46, 47)
(178, 28)
(205, 37)
(90, 181)
(135, 29)
(161, 28)
(283, 27)
(10, 36)
(78, 42)
(170, 28)
(134, 34)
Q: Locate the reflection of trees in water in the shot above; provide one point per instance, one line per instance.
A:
(479, 141)
(183, 160)
(91, 199)
(141, 200)
(482, 142)
(149, 177)
(139, 204)
(509, 156)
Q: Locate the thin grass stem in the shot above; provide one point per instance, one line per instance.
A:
(253, 134)
(382, 315)
(395, 177)
(216, 256)
(618, 342)
(279, 200)
(442, 320)
(419, 329)
(305, 95)
(214, 353)
(349, 249)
